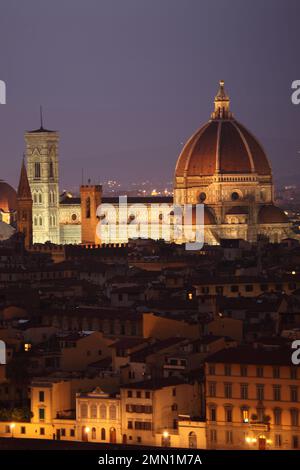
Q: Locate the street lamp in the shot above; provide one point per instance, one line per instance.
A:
(87, 430)
(12, 427)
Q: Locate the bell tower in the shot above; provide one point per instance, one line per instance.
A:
(91, 196)
(43, 177)
(24, 207)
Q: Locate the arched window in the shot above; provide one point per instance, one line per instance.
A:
(51, 173)
(35, 221)
(40, 220)
(54, 221)
(103, 434)
(102, 412)
(192, 440)
(93, 433)
(37, 170)
(83, 410)
(112, 412)
(88, 208)
(50, 220)
(94, 411)
(35, 198)
(40, 198)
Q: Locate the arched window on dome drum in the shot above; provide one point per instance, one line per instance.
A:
(88, 208)
(37, 170)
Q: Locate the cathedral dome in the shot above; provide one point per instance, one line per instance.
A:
(222, 146)
(272, 215)
(8, 197)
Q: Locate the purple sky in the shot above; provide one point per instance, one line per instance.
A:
(127, 81)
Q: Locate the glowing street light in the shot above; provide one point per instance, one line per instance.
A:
(12, 427)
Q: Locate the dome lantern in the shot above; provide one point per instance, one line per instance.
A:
(222, 103)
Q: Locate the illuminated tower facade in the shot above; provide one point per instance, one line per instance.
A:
(43, 177)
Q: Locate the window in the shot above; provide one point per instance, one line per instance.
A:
(41, 414)
(213, 435)
(7, 428)
(74, 217)
(229, 437)
(249, 288)
(294, 417)
(245, 415)
(139, 394)
(143, 425)
(227, 369)
(234, 288)
(293, 373)
(212, 369)
(72, 432)
(23, 430)
(260, 392)
(244, 391)
(174, 392)
(42, 431)
(102, 412)
(244, 371)
(112, 412)
(276, 372)
(84, 410)
(40, 221)
(276, 392)
(94, 411)
(295, 442)
(37, 170)
(41, 396)
(35, 199)
(212, 389)
(294, 393)
(228, 414)
(278, 440)
(63, 432)
(147, 395)
(88, 208)
(40, 198)
(259, 371)
(93, 433)
(228, 390)
(213, 413)
(277, 416)
(51, 173)
(129, 393)
(129, 425)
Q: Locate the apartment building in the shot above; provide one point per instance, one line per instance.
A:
(252, 399)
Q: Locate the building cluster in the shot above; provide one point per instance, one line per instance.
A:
(149, 344)
(222, 167)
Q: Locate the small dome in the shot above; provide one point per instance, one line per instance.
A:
(8, 197)
(272, 215)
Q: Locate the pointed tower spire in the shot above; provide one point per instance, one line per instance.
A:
(24, 191)
(221, 103)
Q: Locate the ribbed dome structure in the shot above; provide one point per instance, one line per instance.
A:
(223, 146)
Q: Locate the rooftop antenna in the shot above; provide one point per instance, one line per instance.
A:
(41, 117)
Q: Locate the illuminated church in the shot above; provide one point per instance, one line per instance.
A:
(222, 166)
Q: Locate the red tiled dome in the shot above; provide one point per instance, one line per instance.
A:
(272, 215)
(8, 197)
(222, 145)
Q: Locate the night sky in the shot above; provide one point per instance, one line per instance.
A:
(126, 82)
